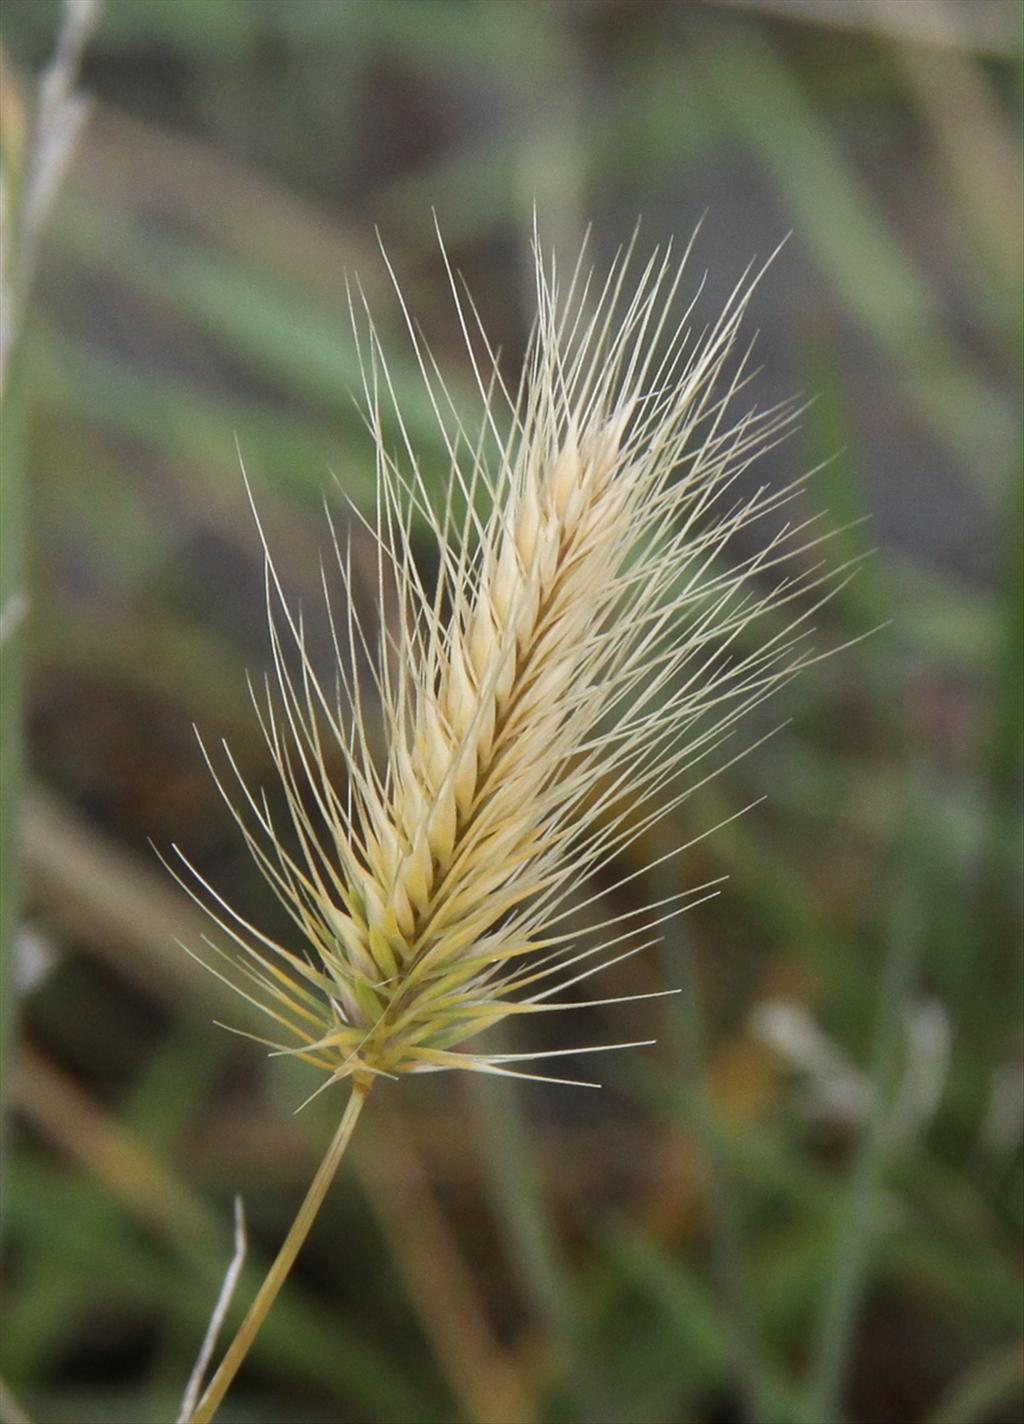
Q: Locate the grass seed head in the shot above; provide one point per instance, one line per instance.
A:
(586, 648)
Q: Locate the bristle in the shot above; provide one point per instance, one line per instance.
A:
(586, 646)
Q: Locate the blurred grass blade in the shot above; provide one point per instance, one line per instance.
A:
(513, 1177)
(686, 1038)
(859, 253)
(981, 1395)
(30, 177)
(702, 1332)
(856, 1227)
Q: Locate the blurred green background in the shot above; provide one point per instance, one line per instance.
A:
(805, 1204)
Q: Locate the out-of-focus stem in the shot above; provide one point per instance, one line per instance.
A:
(688, 1032)
(13, 607)
(29, 182)
(858, 1218)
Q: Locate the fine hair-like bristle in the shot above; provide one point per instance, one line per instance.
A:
(585, 653)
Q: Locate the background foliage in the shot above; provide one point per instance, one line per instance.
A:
(806, 1203)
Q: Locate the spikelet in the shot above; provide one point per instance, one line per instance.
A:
(580, 662)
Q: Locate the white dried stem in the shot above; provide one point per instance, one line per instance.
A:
(227, 1291)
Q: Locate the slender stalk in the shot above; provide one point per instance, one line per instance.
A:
(518, 1194)
(858, 1218)
(29, 182)
(687, 1032)
(220, 1310)
(285, 1259)
(976, 1397)
(13, 607)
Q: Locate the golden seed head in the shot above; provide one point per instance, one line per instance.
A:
(586, 644)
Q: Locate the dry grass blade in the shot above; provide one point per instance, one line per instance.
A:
(485, 1376)
(11, 1411)
(220, 1310)
(58, 121)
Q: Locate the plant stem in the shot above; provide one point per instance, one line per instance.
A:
(517, 1192)
(688, 1035)
(285, 1259)
(29, 183)
(13, 607)
(858, 1219)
